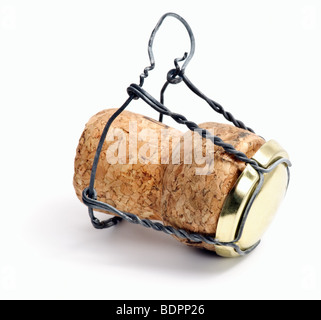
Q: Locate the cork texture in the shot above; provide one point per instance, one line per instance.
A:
(134, 188)
(194, 202)
(148, 184)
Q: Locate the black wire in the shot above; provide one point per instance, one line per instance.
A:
(101, 143)
(214, 105)
(139, 92)
(180, 233)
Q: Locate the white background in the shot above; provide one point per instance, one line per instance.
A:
(63, 61)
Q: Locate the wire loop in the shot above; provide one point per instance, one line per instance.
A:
(188, 57)
(173, 77)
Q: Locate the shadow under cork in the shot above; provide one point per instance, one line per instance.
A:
(125, 245)
(148, 248)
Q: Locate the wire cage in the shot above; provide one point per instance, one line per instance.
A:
(175, 76)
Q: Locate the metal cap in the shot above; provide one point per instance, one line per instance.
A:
(253, 202)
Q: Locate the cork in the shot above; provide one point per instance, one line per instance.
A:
(158, 174)
(193, 202)
(136, 187)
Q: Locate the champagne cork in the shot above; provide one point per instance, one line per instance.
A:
(151, 170)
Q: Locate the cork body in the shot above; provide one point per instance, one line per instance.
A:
(192, 201)
(130, 181)
(156, 173)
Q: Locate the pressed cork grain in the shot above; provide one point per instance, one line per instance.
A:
(194, 202)
(134, 188)
(171, 193)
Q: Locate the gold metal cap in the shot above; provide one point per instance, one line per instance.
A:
(253, 202)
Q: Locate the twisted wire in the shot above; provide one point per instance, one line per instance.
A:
(157, 226)
(145, 74)
(102, 140)
(187, 57)
(139, 92)
(92, 203)
(214, 105)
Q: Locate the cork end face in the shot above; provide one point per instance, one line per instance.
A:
(262, 211)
